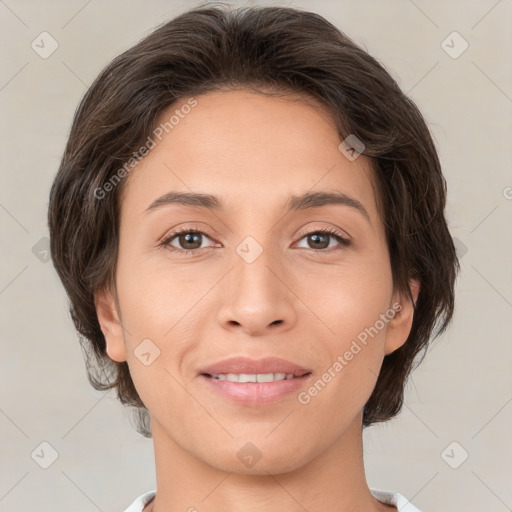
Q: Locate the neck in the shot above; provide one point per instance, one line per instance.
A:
(333, 480)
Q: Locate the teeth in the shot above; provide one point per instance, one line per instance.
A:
(253, 377)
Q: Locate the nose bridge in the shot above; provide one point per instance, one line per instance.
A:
(252, 264)
(257, 250)
(254, 296)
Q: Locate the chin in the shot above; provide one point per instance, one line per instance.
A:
(249, 460)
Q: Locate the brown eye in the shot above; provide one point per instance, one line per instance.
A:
(321, 239)
(185, 240)
(189, 240)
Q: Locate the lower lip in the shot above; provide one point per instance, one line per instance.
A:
(256, 393)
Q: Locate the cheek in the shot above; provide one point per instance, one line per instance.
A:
(347, 299)
(160, 305)
(351, 357)
(156, 295)
(351, 304)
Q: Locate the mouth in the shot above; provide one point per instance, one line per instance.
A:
(265, 368)
(254, 383)
(253, 377)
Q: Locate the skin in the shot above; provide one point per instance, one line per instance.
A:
(253, 151)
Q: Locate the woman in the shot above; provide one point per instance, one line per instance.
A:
(249, 222)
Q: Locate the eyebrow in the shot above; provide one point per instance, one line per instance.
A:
(294, 203)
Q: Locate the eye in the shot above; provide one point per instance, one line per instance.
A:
(320, 239)
(188, 240)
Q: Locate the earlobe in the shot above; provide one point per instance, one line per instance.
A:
(110, 324)
(400, 325)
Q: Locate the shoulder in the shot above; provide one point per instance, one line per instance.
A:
(394, 498)
(141, 502)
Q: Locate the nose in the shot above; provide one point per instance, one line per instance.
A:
(257, 297)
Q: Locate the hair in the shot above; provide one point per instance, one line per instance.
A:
(279, 49)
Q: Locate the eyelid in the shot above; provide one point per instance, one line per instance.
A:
(330, 230)
(173, 233)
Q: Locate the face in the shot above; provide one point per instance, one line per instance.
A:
(255, 273)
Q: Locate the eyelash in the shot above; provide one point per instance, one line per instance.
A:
(344, 242)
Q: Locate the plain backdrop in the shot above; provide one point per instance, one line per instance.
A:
(450, 448)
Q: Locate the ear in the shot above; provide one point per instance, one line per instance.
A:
(110, 324)
(400, 325)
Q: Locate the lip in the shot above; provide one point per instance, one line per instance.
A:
(248, 365)
(255, 394)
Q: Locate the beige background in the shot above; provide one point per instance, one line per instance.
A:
(463, 390)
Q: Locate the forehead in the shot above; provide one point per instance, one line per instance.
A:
(250, 149)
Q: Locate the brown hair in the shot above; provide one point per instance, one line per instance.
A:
(274, 48)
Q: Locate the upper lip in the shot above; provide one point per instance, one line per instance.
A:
(254, 366)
